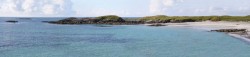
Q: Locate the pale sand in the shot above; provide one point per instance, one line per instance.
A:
(208, 25)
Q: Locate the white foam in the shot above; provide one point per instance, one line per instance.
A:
(240, 37)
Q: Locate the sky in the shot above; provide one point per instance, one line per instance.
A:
(124, 8)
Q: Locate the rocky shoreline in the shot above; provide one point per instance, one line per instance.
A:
(109, 21)
(231, 30)
(115, 20)
(240, 32)
(93, 22)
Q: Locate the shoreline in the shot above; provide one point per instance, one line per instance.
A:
(240, 37)
(208, 25)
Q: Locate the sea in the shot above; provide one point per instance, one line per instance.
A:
(30, 37)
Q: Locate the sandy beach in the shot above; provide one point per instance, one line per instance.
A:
(208, 25)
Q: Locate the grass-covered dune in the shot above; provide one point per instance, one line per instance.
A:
(110, 18)
(166, 19)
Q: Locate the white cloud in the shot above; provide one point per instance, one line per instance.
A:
(158, 7)
(199, 7)
(212, 10)
(35, 7)
(101, 11)
(155, 7)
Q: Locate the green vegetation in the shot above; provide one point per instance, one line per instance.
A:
(116, 20)
(110, 18)
(165, 19)
(235, 18)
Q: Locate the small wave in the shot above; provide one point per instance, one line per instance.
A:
(240, 37)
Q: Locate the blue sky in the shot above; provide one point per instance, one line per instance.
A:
(126, 8)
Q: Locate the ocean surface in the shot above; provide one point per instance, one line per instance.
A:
(32, 38)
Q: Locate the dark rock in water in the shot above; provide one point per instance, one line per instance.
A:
(230, 30)
(12, 21)
(157, 24)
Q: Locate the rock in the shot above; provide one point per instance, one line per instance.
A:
(230, 30)
(12, 21)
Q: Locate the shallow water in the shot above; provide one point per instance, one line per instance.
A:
(32, 38)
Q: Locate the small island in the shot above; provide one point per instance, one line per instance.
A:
(12, 21)
(109, 19)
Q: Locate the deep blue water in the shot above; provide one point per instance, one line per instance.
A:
(32, 38)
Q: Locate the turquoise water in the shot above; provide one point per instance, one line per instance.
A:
(32, 38)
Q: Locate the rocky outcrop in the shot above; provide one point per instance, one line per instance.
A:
(230, 30)
(240, 32)
(12, 21)
(73, 20)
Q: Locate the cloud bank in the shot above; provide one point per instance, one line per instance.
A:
(123, 7)
(199, 7)
(36, 7)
